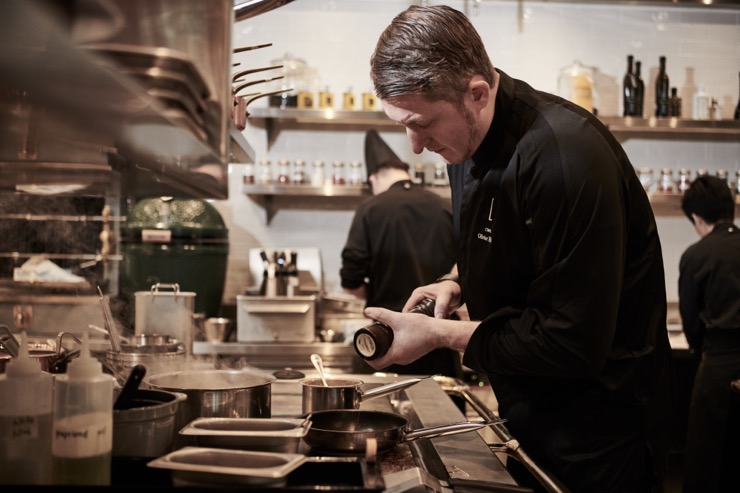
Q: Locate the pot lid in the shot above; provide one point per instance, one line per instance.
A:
(190, 218)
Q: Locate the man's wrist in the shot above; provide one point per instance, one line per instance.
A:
(448, 277)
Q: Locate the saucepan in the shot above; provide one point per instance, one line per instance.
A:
(348, 430)
(344, 394)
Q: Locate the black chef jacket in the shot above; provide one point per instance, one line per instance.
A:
(709, 302)
(560, 259)
(399, 240)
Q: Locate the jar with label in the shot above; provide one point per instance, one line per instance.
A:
(355, 173)
(283, 172)
(299, 172)
(248, 177)
(264, 173)
(667, 185)
(337, 174)
(419, 176)
(646, 178)
(369, 101)
(440, 175)
(305, 98)
(684, 179)
(348, 99)
(577, 83)
(326, 99)
(317, 174)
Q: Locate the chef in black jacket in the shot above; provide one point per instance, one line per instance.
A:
(399, 239)
(709, 302)
(560, 264)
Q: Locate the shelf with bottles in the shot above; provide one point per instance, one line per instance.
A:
(628, 127)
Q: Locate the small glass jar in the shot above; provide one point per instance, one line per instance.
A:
(348, 100)
(283, 172)
(646, 178)
(369, 101)
(684, 179)
(701, 172)
(299, 172)
(264, 175)
(419, 177)
(326, 99)
(667, 185)
(248, 176)
(317, 174)
(355, 173)
(337, 174)
(723, 175)
(440, 175)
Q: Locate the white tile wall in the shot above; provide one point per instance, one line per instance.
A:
(530, 40)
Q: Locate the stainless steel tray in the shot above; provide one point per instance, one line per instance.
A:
(262, 434)
(201, 466)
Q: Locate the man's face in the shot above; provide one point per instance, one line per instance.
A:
(437, 126)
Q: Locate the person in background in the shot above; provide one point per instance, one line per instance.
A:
(399, 239)
(559, 261)
(709, 303)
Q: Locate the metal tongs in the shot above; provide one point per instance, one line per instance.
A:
(115, 340)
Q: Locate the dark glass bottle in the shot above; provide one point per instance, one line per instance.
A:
(662, 91)
(372, 341)
(737, 108)
(629, 89)
(674, 103)
(640, 93)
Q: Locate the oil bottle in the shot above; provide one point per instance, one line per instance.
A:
(82, 434)
(25, 420)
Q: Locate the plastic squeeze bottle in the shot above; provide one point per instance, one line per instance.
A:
(82, 435)
(25, 420)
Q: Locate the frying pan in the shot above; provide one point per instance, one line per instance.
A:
(347, 430)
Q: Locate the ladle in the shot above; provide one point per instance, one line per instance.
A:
(318, 363)
(128, 391)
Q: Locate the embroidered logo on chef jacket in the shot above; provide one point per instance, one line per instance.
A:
(487, 234)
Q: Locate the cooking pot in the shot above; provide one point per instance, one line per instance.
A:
(46, 356)
(347, 431)
(146, 427)
(218, 393)
(344, 394)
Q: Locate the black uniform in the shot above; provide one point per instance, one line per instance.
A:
(560, 259)
(399, 240)
(709, 301)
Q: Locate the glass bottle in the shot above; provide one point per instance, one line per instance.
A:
(299, 172)
(667, 185)
(700, 110)
(337, 175)
(684, 179)
(317, 174)
(355, 173)
(629, 88)
(640, 92)
(662, 90)
(675, 103)
(646, 178)
(283, 172)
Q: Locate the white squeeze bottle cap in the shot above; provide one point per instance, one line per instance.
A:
(84, 366)
(23, 365)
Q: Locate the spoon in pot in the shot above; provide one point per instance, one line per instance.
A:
(318, 363)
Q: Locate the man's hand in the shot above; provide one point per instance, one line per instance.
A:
(446, 295)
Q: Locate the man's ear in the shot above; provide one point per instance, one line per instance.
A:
(479, 92)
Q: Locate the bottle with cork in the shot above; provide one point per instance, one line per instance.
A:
(25, 420)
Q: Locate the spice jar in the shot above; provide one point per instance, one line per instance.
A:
(646, 178)
(440, 178)
(355, 173)
(326, 99)
(369, 101)
(248, 177)
(337, 175)
(684, 179)
(723, 175)
(299, 172)
(317, 174)
(264, 176)
(348, 99)
(667, 185)
(283, 172)
(419, 175)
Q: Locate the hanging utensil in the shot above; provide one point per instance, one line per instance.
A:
(251, 83)
(250, 48)
(237, 75)
(251, 97)
(110, 325)
(318, 363)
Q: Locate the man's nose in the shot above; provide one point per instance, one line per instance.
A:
(416, 140)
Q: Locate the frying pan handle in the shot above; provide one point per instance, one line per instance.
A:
(443, 430)
(391, 387)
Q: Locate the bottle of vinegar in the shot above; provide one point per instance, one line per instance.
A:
(662, 91)
(640, 92)
(629, 90)
(82, 435)
(25, 421)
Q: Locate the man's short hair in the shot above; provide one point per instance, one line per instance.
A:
(709, 198)
(392, 163)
